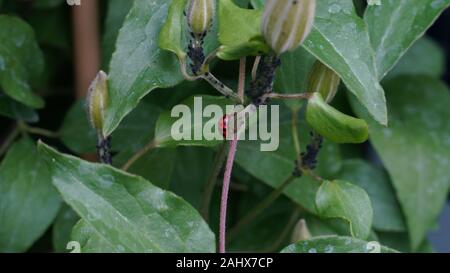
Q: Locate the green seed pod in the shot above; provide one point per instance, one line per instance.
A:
(200, 14)
(323, 80)
(287, 23)
(334, 125)
(97, 100)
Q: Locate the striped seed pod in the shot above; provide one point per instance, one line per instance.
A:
(323, 80)
(97, 100)
(200, 14)
(287, 23)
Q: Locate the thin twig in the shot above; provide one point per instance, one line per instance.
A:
(211, 57)
(221, 87)
(241, 83)
(250, 216)
(301, 96)
(255, 67)
(313, 175)
(37, 131)
(186, 75)
(9, 140)
(295, 137)
(151, 145)
(212, 179)
(42, 132)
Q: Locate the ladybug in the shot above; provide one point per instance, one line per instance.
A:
(223, 125)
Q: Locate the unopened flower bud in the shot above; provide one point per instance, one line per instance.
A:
(287, 23)
(97, 100)
(200, 14)
(323, 80)
(300, 232)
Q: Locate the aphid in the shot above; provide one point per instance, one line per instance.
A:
(309, 158)
(200, 15)
(263, 83)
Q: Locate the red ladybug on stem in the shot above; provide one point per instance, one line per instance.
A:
(223, 125)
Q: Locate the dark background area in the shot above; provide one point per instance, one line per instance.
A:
(440, 32)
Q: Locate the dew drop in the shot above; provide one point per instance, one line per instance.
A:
(329, 249)
(436, 4)
(334, 8)
(312, 250)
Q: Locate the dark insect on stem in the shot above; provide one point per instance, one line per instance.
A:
(263, 83)
(104, 150)
(196, 55)
(309, 158)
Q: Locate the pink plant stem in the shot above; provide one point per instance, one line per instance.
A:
(229, 165)
(225, 190)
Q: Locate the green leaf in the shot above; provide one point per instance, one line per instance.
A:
(292, 76)
(273, 168)
(425, 57)
(15, 110)
(387, 215)
(400, 241)
(331, 227)
(156, 165)
(28, 201)
(334, 125)
(164, 136)
(395, 25)
(340, 199)
(248, 40)
(62, 228)
(116, 12)
(326, 227)
(415, 148)
(335, 244)
(135, 131)
(21, 61)
(138, 66)
(126, 213)
(335, 25)
(171, 35)
(192, 168)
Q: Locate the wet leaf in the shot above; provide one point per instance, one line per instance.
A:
(125, 213)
